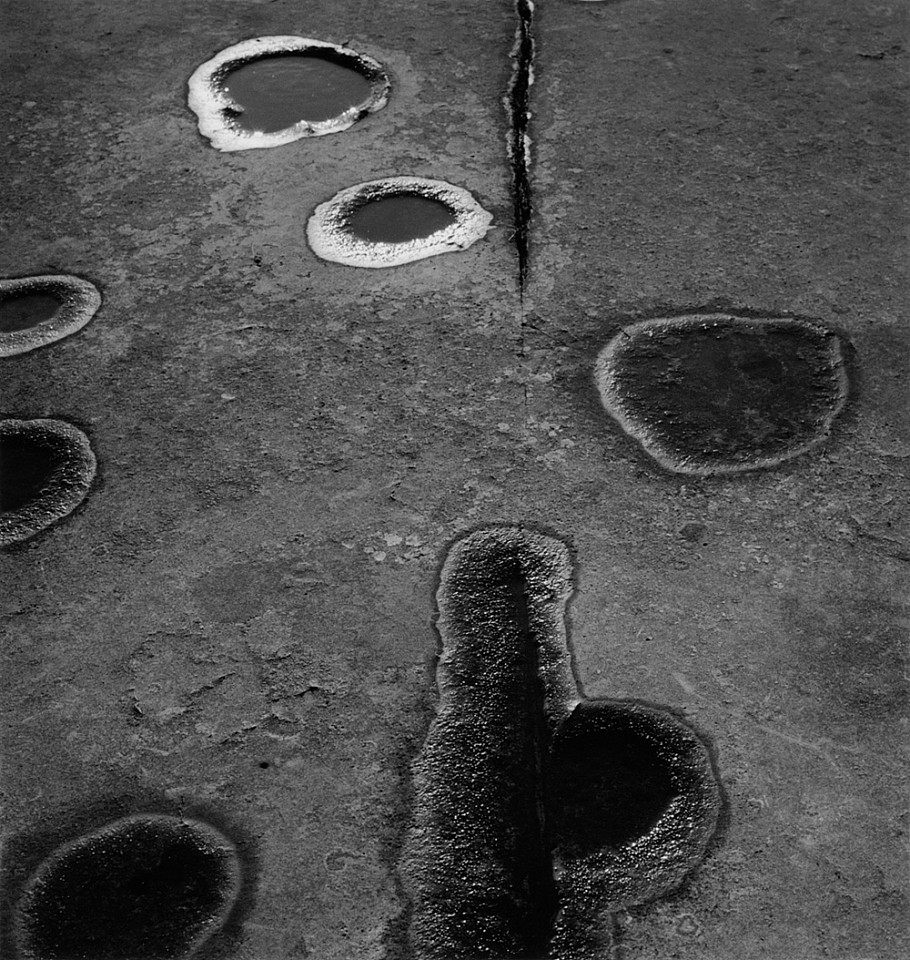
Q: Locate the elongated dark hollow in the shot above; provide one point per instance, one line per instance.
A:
(538, 812)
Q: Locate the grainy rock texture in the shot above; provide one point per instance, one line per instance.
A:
(239, 615)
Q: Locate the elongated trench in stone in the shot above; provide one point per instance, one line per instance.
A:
(26, 310)
(278, 91)
(399, 218)
(538, 812)
(541, 888)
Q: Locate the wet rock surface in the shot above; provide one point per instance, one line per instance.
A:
(288, 444)
(26, 310)
(399, 218)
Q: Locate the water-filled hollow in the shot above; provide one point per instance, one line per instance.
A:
(277, 91)
(22, 311)
(398, 218)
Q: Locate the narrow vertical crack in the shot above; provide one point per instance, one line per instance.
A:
(517, 103)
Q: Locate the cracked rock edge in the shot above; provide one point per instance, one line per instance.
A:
(517, 102)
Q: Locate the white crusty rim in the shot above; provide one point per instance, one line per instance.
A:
(79, 302)
(328, 238)
(669, 458)
(212, 105)
(65, 488)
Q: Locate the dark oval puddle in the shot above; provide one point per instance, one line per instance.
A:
(35, 311)
(723, 394)
(46, 469)
(277, 92)
(146, 887)
(273, 90)
(27, 310)
(399, 218)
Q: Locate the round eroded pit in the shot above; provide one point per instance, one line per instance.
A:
(399, 218)
(147, 887)
(35, 311)
(386, 223)
(46, 468)
(274, 90)
(723, 394)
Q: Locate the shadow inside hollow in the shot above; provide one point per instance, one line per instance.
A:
(25, 466)
(608, 784)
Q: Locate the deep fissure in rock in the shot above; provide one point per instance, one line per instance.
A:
(399, 218)
(276, 92)
(519, 143)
